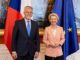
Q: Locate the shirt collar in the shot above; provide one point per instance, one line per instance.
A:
(27, 20)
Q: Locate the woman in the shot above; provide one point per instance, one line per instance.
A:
(54, 39)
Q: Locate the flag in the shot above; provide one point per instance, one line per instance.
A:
(15, 12)
(64, 9)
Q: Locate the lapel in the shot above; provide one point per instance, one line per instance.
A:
(24, 28)
(32, 27)
(52, 32)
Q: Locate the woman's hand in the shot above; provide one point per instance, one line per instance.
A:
(54, 45)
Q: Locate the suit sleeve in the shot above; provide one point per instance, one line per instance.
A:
(14, 37)
(37, 39)
(62, 39)
(45, 37)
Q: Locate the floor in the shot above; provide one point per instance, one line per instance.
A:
(42, 52)
(5, 54)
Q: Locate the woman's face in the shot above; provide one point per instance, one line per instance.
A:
(53, 20)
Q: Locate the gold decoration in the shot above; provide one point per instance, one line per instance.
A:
(70, 29)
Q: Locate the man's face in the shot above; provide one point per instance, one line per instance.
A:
(28, 13)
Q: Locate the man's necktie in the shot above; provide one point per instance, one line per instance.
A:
(28, 28)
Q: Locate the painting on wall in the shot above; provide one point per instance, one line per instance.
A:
(76, 4)
(3, 11)
(39, 13)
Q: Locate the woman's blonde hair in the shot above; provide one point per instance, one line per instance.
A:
(53, 14)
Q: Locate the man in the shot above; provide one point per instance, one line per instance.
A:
(25, 44)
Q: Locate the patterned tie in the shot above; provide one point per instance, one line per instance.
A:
(28, 28)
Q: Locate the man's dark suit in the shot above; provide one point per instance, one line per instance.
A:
(21, 42)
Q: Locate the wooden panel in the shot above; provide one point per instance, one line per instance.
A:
(1, 39)
(41, 36)
(79, 38)
(1, 35)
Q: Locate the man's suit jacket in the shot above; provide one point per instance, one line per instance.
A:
(21, 42)
(50, 39)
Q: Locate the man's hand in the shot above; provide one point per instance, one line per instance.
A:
(14, 55)
(36, 55)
